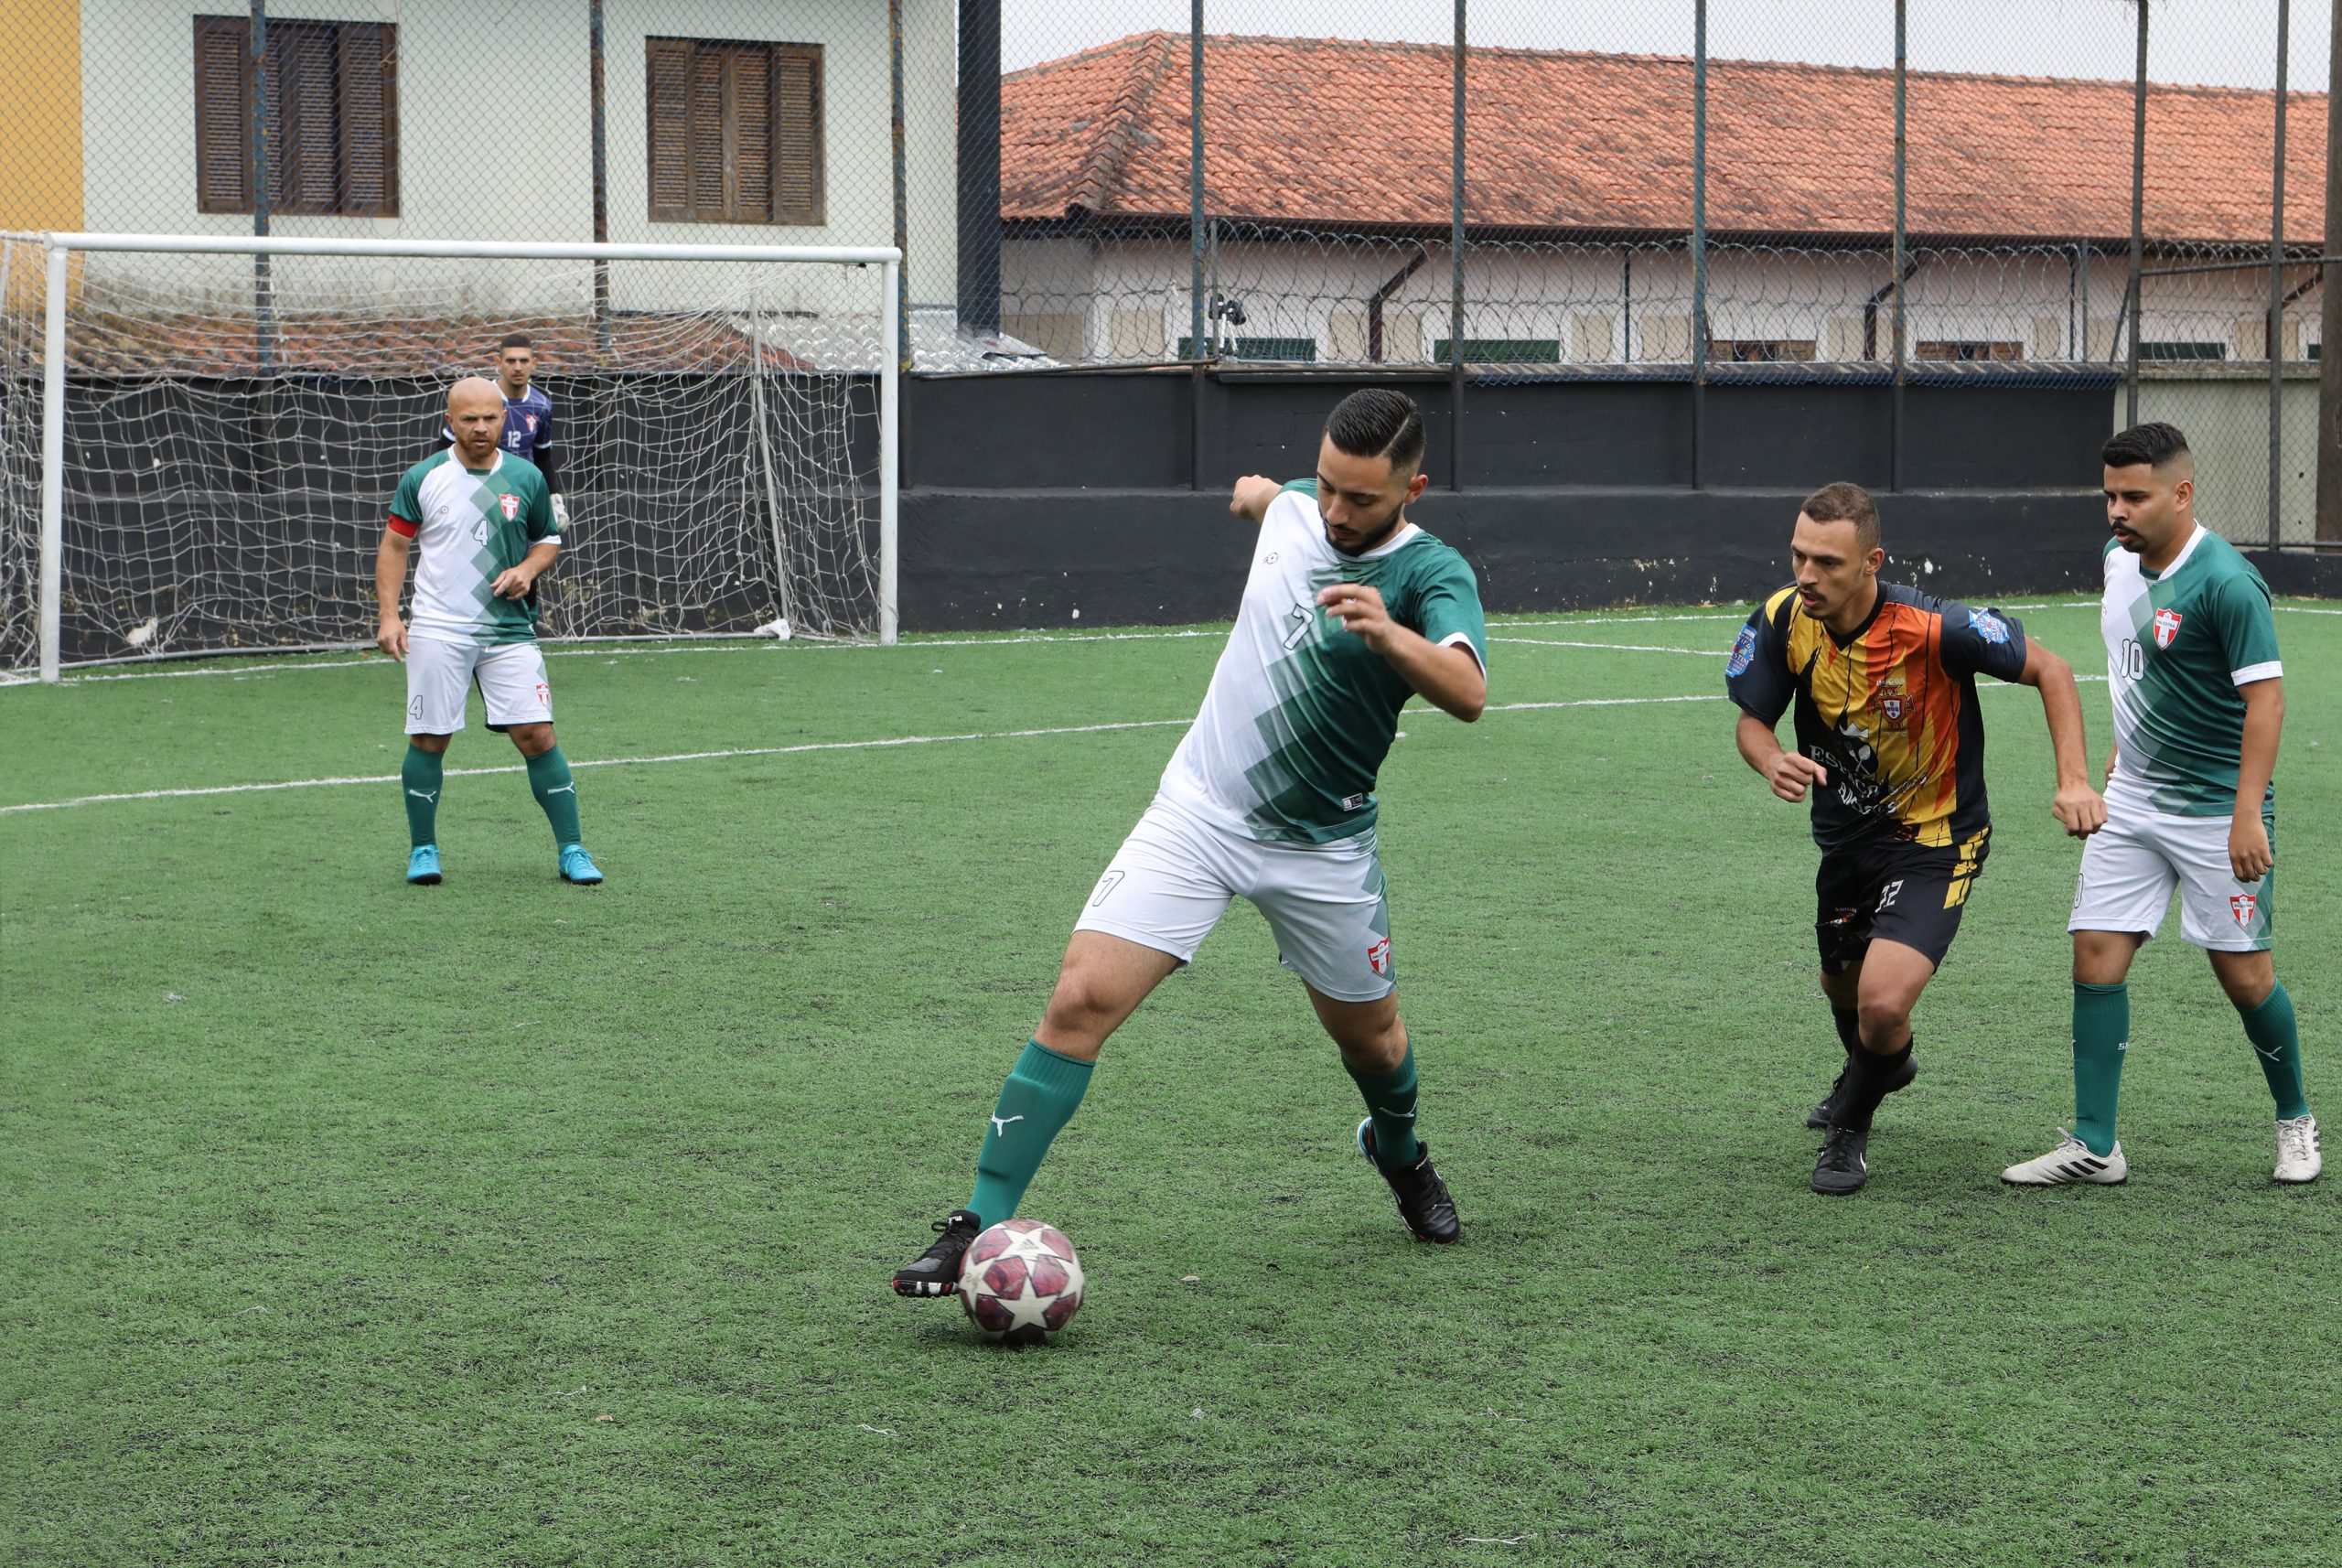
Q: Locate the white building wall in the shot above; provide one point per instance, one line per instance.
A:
(1615, 304)
(495, 143)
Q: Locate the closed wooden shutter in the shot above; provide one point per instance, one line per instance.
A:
(736, 131)
(748, 180)
(796, 118)
(369, 81)
(708, 135)
(670, 70)
(222, 122)
(304, 140)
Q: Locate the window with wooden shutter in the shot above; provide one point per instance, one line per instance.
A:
(222, 122)
(332, 116)
(736, 131)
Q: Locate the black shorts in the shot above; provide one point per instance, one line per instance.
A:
(1895, 890)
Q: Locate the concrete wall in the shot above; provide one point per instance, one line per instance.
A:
(1574, 495)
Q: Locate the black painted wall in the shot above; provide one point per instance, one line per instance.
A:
(1041, 500)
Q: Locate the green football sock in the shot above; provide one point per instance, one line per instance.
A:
(556, 791)
(420, 776)
(2101, 1038)
(1036, 1102)
(2278, 1043)
(1390, 1102)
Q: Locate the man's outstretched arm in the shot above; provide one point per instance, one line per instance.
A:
(1250, 497)
(2078, 808)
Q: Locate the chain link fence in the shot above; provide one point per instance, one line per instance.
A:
(1737, 190)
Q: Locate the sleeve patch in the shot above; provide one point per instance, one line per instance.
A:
(1743, 652)
(1988, 627)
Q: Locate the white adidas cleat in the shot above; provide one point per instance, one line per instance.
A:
(2071, 1162)
(2299, 1158)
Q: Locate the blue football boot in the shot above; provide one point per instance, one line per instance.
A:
(423, 866)
(578, 866)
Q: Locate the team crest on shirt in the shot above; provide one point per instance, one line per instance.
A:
(2242, 905)
(532, 423)
(1988, 626)
(511, 505)
(1891, 706)
(1378, 957)
(2166, 626)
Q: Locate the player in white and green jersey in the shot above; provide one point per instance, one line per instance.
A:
(483, 522)
(2191, 656)
(1349, 610)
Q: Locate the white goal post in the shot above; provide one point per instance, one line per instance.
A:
(728, 388)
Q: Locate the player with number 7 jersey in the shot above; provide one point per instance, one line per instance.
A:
(1349, 610)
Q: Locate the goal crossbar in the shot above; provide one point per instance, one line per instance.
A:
(60, 247)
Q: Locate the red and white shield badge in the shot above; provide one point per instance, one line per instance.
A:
(511, 505)
(1378, 957)
(2166, 626)
(2241, 906)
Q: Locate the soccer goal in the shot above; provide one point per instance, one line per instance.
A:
(200, 435)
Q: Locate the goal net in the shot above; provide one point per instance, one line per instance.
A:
(236, 415)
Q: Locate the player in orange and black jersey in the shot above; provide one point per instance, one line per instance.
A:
(1890, 741)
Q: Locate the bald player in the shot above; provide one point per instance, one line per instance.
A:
(484, 521)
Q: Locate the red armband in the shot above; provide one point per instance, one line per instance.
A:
(402, 528)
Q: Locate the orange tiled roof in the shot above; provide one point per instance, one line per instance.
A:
(1353, 133)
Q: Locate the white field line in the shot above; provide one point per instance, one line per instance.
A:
(1614, 647)
(889, 743)
(618, 651)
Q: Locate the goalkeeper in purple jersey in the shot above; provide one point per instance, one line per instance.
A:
(528, 416)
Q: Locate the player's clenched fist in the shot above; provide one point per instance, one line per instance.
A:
(1360, 610)
(1792, 772)
(1252, 495)
(2080, 809)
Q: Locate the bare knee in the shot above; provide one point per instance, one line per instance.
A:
(2103, 958)
(1083, 1010)
(2246, 977)
(533, 740)
(1885, 1023)
(434, 744)
(1375, 1050)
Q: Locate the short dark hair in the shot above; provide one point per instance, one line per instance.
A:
(1375, 422)
(516, 340)
(2153, 443)
(1846, 502)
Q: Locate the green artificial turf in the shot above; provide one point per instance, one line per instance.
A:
(508, 1222)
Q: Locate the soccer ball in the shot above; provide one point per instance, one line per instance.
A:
(1021, 1282)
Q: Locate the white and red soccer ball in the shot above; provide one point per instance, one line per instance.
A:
(1021, 1280)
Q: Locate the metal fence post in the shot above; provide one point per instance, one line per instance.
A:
(2276, 344)
(2329, 366)
(601, 181)
(979, 214)
(1196, 234)
(2138, 222)
(1456, 267)
(1902, 172)
(264, 312)
(906, 350)
(1699, 238)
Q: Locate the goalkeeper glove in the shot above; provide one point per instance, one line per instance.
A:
(560, 514)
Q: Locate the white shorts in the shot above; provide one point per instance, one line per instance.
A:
(1171, 881)
(511, 677)
(2132, 865)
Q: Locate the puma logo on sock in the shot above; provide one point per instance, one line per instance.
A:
(1000, 1125)
(421, 795)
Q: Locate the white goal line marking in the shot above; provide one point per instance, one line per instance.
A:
(759, 751)
(1614, 647)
